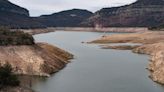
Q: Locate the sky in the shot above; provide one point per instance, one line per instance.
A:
(43, 7)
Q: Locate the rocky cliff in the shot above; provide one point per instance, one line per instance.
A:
(141, 13)
(40, 59)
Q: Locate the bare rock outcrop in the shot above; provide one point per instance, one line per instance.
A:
(40, 59)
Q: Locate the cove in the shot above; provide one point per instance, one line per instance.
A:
(94, 69)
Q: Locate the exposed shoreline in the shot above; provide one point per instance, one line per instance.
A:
(40, 59)
(152, 44)
(85, 29)
(141, 35)
(107, 29)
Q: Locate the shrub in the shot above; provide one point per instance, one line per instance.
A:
(7, 78)
(8, 37)
(160, 27)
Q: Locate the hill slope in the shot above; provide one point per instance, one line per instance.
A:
(68, 18)
(141, 13)
(16, 16)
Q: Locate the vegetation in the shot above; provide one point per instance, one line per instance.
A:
(7, 78)
(161, 27)
(8, 37)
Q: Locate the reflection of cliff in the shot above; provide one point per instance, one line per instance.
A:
(140, 13)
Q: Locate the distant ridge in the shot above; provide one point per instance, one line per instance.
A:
(68, 18)
(142, 13)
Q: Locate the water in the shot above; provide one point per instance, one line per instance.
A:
(95, 69)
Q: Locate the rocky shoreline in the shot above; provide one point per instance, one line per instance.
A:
(36, 31)
(120, 47)
(35, 59)
(40, 59)
(152, 44)
(85, 29)
(104, 29)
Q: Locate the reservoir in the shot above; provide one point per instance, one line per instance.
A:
(94, 69)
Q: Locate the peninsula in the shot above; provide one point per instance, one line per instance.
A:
(26, 57)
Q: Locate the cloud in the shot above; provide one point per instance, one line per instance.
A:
(38, 7)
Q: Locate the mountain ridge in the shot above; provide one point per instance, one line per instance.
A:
(67, 18)
(7, 6)
(142, 13)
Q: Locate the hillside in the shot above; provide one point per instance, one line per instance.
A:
(16, 16)
(68, 18)
(8, 37)
(141, 13)
(7, 6)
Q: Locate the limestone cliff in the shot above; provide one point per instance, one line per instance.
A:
(141, 13)
(40, 59)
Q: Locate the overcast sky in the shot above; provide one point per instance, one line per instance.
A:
(39, 7)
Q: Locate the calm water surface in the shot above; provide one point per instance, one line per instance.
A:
(95, 69)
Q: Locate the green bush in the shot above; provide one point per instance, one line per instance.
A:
(8, 37)
(160, 27)
(7, 78)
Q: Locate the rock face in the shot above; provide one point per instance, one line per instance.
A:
(69, 18)
(141, 13)
(40, 59)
